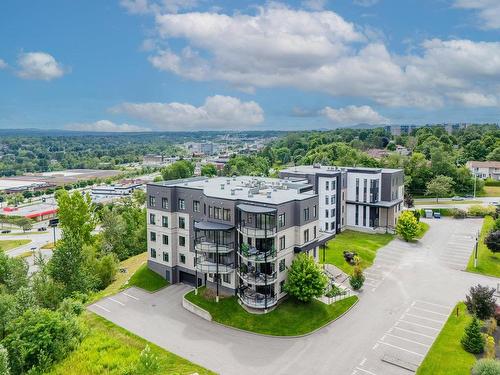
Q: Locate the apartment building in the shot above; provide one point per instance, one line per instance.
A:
(485, 169)
(364, 199)
(236, 235)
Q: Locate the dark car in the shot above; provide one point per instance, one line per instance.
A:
(6, 231)
(42, 229)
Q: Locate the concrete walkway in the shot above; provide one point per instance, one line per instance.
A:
(410, 290)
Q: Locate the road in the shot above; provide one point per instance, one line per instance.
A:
(484, 201)
(409, 292)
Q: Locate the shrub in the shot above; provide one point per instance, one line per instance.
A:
(486, 367)
(492, 241)
(491, 326)
(407, 226)
(481, 211)
(334, 291)
(4, 361)
(357, 278)
(489, 347)
(481, 302)
(305, 279)
(473, 340)
(148, 362)
(496, 226)
(459, 214)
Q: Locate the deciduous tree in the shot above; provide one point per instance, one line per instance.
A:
(305, 280)
(439, 186)
(407, 226)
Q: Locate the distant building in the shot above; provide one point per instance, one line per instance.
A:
(115, 190)
(401, 150)
(485, 169)
(400, 129)
(157, 160)
(450, 128)
(377, 153)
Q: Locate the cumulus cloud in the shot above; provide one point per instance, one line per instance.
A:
(487, 10)
(279, 46)
(3, 64)
(217, 112)
(105, 126)
(352, 115)
(39, 65)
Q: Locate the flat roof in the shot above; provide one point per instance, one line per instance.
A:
(326, 169)
(6, 183)
(261, 189)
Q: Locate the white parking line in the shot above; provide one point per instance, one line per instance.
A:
(429, 311)
(406, 350)
(418, 325)
(128, 295)
(408, 340)
(363, 361)
(116, 301)
(429, 319)
(434, 304)
(410, 331)
(365, 371)
(103, 308)
(455, 264)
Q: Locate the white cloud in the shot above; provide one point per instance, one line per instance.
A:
(158, 6)
(39, 65)
(488, 11)
(105, 126)
(365, 3)
(352, 115)
(314, 4)
(3, 64)
(217, 112)
(475, 99)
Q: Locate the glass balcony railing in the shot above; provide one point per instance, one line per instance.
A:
(210, 247)
(208, 265)
(258, 278)
(250, 230)
(257, 300)
(255, 255)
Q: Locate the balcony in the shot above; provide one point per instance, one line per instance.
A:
(209, 265)
(254, 232)
(252, 254)
(210, 247)
(256, 300)
(258, 278)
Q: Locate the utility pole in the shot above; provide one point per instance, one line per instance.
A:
(475, 179)
(475, 252)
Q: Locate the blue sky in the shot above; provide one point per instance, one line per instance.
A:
(127, 65)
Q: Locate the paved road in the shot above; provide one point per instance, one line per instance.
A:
(409, 292)
(483, 201)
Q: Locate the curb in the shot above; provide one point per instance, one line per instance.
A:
(268, 335)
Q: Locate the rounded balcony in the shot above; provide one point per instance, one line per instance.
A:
(211, 247)
(258, 278)
(256, 300)
(252, 254)
(207, 266)
(254, 232)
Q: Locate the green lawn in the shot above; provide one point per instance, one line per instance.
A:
(490, 191)
(424, 227)
(446, 355)
(488, 263)
(111, 350)
(12, 244)
(365, 244)
(146, 279)
(290, 318)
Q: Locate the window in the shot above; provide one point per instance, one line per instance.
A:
(226, 278)
(327, 185)
(152, 220)
(332, 199)
(334, 184)
(152, 201)
(152, 236)
(164, 203)
(217, 213)
(282, 286)
(332, 225)
(182, 258)
(326, 213)
(282, 242)
(315, 211)
(306, 214)
(364, 216)
(204, 208)
(326, 226)
(343, 196)
(153, 253)
(210, 211)
(357, 190)
(282, 220)
(326, 199)
(332, 212)
(182, 204)
(164, 221)
(356, 216)
(196, 206)
(182, 223)
(165, 257)
(314, 232)
(306, 235)
(282, 265)
(365, 189)
(182, 241)
(165, 239)
(226, 214)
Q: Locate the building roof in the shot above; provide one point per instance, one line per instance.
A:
(325, 169)
(484, 164)
(256, 209)
(211, 225)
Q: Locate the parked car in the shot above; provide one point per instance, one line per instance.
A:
(469, 196)
(457, 198)
(437, 215)
(42, 229)
(6, 231)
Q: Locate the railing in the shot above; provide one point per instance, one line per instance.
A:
(260, 256)
(258, 278)
(250, 231)
(206, 265)
(257, 300)
(210, 247)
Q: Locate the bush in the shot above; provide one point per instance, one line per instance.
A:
(459, 214)
(357, 278)
(148, 362)
(492, 241)
(489, 348)
(4, 361)
(486, 367)
(334, 291)
(407, 226)
(481, 211)
(481, 302)
(473, 340)
(305, 279)
(491, 326)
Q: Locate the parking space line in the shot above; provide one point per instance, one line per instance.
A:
(365, 371)
(406, 350)
(116, 301)
(404, 339)
(453, 263)
(103, 308)
(128, 295)
(418, 325)
(410, 331)
(435, 304)
(429, 319)
(429, 311)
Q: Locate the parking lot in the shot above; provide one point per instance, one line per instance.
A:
(458, 250)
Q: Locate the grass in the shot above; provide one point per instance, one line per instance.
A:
(490, 191)
(6, 245)
(289, 318)
(26, 254)
(146, 279)
(365, 244)
(111, 350)
(423, 228)
(446, 356)
(445, 202)
(48, 246)
(488, 263)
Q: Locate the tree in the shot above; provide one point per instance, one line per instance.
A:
(473, 340)
(439, 186)
(357, 278)
(481, 301)
(305, 280)
(407, 226)
(179, 169)
(4, 361)
(139, 196)
(408, 198)
(209, 170)
(486, 367)
(492, 241)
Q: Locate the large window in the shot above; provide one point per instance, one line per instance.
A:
(182, 223)
(226, 278)
(182, 241)
(165, 257)
(153, 253)
(326, 199)
(164, 203)
(306, 214)
(315, 211)
(226, 214)
(327, 185)
(282, 265)
(314, 232)
(196, 206)
(282, 220)
(282, 242)
(182, 258)
(152, 220)
(306, 235)
(364, 216)
(332, 199)
(326, 213)
(356, 216)
(365, 189)
(152, 236)
(182, 204)
(165, 239)
(357, 190)
(217, 213)
(164, 221)
(152, 201)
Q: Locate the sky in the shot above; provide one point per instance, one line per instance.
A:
(169, 65)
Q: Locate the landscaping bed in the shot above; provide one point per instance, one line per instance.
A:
(289, 318)
(6, 245)
(488, 263)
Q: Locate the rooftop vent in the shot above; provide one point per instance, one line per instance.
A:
(316, 165)
(250, 194)
(222, 186)
(228, 181)
(233, 192)
(268, 194)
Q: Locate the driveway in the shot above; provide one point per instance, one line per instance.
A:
(410, 290)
